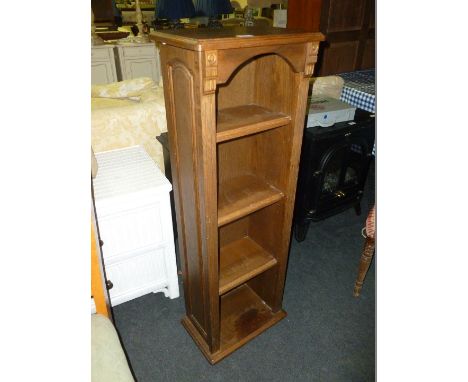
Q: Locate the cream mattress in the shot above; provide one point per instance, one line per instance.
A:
(128, 113)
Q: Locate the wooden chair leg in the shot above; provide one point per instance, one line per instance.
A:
(364, 264)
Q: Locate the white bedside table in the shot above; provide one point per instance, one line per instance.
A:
(134, 219)
(103, 70)
(139, 60)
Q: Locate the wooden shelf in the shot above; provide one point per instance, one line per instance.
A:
(240, 261)
(244, 315)
(239, 121)
(243, 195)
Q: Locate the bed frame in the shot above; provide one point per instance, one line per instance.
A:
(98, 281)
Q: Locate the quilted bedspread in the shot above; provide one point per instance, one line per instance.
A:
(128, 113)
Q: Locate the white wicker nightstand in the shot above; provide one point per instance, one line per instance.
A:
(134, 218)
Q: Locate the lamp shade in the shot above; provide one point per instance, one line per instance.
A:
(212, 8)
(174, 9)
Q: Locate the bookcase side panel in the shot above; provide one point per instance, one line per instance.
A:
(182, 87)
(208, 189)
(301, 83)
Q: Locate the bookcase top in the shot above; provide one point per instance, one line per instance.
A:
(201, 39)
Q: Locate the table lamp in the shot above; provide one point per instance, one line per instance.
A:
(142, 36)
(174, 10)
(212, 9)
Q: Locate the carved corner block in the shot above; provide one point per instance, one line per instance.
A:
(311, 58)
(210, 72)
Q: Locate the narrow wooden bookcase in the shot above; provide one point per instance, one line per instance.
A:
(235, 105)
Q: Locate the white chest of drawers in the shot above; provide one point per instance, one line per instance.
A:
(139, 60)
(103, 70)
(134, 219)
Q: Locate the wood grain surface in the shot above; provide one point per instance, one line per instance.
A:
(235, 110)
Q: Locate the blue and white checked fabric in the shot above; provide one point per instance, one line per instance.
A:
(358, 99)
(359, 89)
(362, 80)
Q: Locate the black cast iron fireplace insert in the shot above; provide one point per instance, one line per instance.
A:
(333, 170)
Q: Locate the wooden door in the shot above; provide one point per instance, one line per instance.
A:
(350, 36)
(349, 26)
(304, 14)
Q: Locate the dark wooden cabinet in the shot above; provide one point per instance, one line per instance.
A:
(350, 30)
(235, 105)
(349, 26)
(304, 14)
(103, 11)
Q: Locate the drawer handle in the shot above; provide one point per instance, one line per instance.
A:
(101, 243)
(109, 285)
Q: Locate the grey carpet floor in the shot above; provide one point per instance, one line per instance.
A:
(328, 335)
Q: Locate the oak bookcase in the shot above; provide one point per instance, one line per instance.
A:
(235, 104)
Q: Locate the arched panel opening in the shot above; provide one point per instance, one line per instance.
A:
(263, 80)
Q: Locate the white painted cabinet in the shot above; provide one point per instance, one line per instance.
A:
(139, 60)
(103, 69)
(135, 223)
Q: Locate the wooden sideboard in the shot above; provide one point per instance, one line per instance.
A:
(235, 105)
